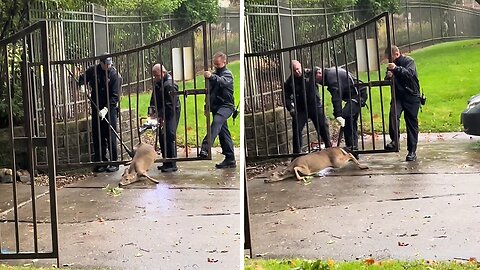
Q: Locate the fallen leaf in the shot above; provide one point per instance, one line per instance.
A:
(330, 242)
(211, 260)
(402, 244)
(369, 261)
(138, 255)
(331, 263)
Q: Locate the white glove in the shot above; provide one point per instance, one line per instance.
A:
(103, 113)
(341, 121)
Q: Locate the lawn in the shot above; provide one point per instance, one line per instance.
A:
(369, 264)
(447, 76)
(194, 107)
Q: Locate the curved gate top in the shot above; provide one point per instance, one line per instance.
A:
(275, 108)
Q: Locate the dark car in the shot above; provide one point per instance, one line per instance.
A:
(471, 116)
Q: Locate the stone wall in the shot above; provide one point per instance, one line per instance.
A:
(273, 128)
(77, 141)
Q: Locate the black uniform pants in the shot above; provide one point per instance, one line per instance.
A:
(350, 113)
(219, 128)
(410, 107)
(319, 121)
(103, 138)
(167, 137)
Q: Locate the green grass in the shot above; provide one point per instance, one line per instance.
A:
(191, 111)
(369, 264)
(448, 77)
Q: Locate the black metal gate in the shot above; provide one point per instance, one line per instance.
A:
(184, 55)
(358, 52)
(22, 234)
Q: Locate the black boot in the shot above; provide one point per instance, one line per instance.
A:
(226, 163)
(412, 156)
(391, 145)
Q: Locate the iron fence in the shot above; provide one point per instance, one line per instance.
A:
(277, 24)
(357, 51)
(182, 53)
(25, 232)
(93, 30)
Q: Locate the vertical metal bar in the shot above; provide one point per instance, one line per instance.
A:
(143, 55)
(246, 220)
(358, 79)
(393, 32)
(298, 131)
(281, 77)
(207, 96)
(211, 48)
(94, 36)
(262, 82)
(408, 27)
(138, 97)
(12, 139)
(120, 94)
(162, 92)
(322, 56)
(226, 32)
(27, 93)
(129, 101)
(302, 59)
(52, 172)
(313, 84)
(344, 43)
(65, 93)
(184, 97)
(431, 25)
(195, 96)
(250, 86)
(97, 109)
(394, 99)
(421, 31)
(76, 109)
(87, 112)
(326, 31)
(272, 95)
(369, 87)
(109, 113)
(292, 22)
(380, 76)
(155, 102)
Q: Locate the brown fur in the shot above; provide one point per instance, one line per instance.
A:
(145, 156)
(312, 163)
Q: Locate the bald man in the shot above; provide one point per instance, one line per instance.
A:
(407, 95)
(303, 102)
(165, 100)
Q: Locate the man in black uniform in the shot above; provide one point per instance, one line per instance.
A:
(407, 96)
(341, 86)
(105, 82)
(222, 107)
(165, 100)
(303, 102)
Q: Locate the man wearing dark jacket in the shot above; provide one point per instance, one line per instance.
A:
(303, 102)
(407, 98)
(165, 100)
(220, 87)
(105, 82)
(341, 86)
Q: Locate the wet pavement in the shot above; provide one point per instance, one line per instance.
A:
(425, 209)
(191, 220)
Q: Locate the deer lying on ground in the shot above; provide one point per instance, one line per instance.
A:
(145, 156)
(315, 162)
